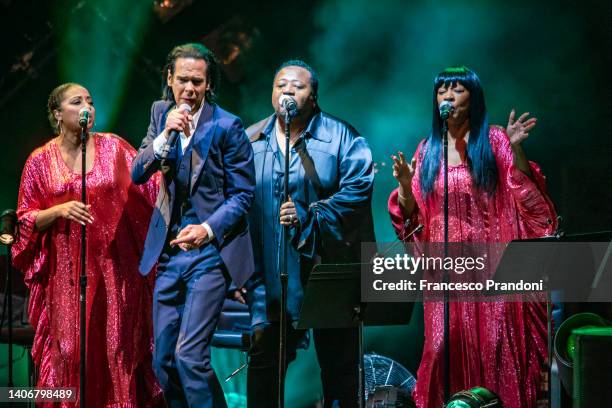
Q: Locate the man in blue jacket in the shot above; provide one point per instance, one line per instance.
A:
(329, 211)
(198, 233)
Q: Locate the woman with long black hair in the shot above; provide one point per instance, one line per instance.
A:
(495, 195)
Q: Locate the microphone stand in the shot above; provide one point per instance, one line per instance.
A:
(284, 277)
(9, 293)
(9, 219)
(83, 274)
(445, 276)
(399, 240)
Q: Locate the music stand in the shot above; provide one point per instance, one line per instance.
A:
(332, 299)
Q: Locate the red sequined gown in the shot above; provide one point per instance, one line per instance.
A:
(119, 299)
(498, 345)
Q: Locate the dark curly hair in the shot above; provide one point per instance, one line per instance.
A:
(55, 100)
(195, 51)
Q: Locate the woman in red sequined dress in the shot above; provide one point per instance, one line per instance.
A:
(47, 250)
(495, 195)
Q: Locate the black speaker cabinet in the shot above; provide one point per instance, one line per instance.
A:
(593, 368)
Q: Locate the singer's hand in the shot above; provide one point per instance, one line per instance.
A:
(288, 214)
(75, 211)
(191, 237)
(519, 130)
(402, 171)
(178, 120)
(239, 295)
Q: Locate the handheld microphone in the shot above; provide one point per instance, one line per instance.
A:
(288, 105)
(8, 228)
(173, 135)
(446, 108)
(84, 114)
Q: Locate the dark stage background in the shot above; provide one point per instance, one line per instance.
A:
(376, 64)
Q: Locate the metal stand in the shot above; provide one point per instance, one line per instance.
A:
(83, 275)
(9, 293)
(7, 236)
(9, 221)
(361, 384)
(284, 277)
(445, 278)
(549, 344)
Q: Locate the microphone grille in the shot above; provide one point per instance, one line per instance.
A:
(445, 105)
(285, 99)
(185, 107)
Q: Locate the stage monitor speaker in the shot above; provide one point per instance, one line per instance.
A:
(593, 368)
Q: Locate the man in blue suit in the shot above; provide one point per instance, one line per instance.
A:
(198, 234)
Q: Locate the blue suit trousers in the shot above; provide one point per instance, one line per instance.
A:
(190, 288)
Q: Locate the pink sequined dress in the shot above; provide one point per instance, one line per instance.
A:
(498, 345)
(119, 331)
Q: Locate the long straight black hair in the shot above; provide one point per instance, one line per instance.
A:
(480, 159)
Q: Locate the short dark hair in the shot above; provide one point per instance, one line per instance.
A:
(195, 51)
(55, 100)
(314, 77)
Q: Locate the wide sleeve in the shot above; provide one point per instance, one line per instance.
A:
(401, 224)
(333, 217)
(30, 250)
(535, 211)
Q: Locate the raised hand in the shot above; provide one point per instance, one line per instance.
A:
(519, 130)
(402, 171)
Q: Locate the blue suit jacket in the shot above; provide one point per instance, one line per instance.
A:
(222, 187)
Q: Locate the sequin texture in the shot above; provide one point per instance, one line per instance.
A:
(119, 332)
(499, 345)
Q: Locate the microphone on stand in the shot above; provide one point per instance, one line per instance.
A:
(173, 135)
(446, 108)
(84, 115)
(288, 105)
